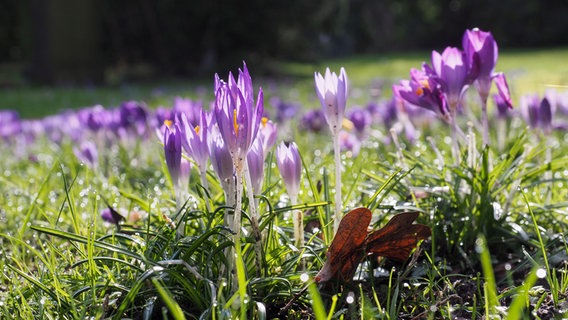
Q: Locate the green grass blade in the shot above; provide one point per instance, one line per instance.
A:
(168, 299)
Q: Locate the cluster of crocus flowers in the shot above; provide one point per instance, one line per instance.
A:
(440, 87)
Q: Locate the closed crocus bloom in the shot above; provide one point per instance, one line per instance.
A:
(172, 150)
(481, 54)
(451, 69)
(290, 166)
(537, 112)
(255, 163)
(332, 92)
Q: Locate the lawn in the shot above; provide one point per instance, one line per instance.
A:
(100, 221)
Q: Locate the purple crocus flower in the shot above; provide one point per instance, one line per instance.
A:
(503, 88)
(194, 139)
(172, 151)
(361, 119)
(423, 90)
(10, 123)
(238, 117)
(87, 153)
(284, 110)
(481, 54)
(452, 70)
(110, 215)
(267, 135)
(133, 116)
(349, 142)
(220, 155)
(191, 109)
(255, 163)
(290, 166)
(332, 92)
(313, 120)
(162, 114)
(502, 107)
(537, 112)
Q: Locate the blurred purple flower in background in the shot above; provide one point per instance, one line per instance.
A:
(87, 153)
(313, 120)
(537, 112)
(132, 117)
(191, 109)
(284, 110)
(267, 135)
(349, 142)
(110, 215)
(10, 123)
(361, 119)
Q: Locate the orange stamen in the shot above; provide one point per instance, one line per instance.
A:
(235, 124)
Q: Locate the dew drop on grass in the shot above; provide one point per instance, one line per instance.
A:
(350, 298)
(304, 277)
(508, 266)
(541, 273)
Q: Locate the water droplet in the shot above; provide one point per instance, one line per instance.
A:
(350, 298)
(304, 277)
(541, 273)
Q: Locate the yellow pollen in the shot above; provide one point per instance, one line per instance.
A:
(235, 124)
(347, 124)
(425, 84)
(419, 91)
(264, 121)
(168, 123)
(197, 129)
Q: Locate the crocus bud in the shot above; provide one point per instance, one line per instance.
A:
(290, 166)
(172, 151)
(332, 92)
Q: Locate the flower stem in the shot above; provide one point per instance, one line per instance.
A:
(298, 220)
(254, 220)
(338, 202)
(203, 176)
(484, 121)
(455, 145)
